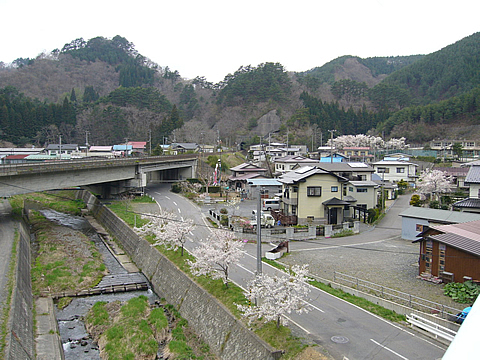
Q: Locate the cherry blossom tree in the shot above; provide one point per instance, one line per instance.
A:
(277, 295)
(361, 140)
(434, 182)
(215, 255)
(166, 229)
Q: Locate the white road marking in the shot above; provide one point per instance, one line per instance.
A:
(244, 268)
(179, 211)
(157, 193)
(386, 348)
(174, 203)
(167, 197)
(346, 245)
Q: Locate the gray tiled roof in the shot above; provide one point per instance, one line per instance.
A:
(468, 203)
(473, 175)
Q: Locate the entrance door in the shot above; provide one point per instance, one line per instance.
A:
(333, 216)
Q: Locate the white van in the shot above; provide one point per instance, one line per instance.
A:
(271, 204)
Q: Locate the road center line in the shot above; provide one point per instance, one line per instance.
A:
(386, 348)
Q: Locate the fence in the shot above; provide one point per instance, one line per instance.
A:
(409, 300)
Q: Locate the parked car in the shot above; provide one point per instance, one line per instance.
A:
(462, 315)
(271, 204)
(266, 220)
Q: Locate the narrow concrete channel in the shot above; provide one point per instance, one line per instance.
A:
(75, 342)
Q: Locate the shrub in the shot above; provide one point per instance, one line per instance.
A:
(223, 211)
(176, 188)
(466, 292)
(224, 220)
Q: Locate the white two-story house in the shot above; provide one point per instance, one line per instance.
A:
(396, 170)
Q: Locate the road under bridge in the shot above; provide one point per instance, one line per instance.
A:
(106, 177)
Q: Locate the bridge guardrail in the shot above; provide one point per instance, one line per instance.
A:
(63, 165)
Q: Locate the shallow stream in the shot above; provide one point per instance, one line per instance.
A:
(76, 342)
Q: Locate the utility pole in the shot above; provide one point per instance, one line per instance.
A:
(331, 144)
(150, 140)
(259, 232)
(86, 141)
(60, 146)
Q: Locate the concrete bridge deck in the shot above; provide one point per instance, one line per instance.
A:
(102, 176)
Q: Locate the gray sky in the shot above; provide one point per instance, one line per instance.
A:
(212, 38)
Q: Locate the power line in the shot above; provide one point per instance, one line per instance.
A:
(355, 247)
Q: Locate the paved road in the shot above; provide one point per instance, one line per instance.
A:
(346, 331)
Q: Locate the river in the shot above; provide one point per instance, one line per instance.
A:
(77, 343)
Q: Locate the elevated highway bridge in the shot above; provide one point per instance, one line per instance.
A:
(106, 177)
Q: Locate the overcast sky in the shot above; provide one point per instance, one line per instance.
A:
(212, 38)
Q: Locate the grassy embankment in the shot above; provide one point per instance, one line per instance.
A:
(277, 338)
(67, 260)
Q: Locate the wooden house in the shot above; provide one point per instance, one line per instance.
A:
(451, 252)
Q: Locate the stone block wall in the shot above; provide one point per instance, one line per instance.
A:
(20, 338)
(227, 336)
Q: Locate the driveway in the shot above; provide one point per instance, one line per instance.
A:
(378, 255)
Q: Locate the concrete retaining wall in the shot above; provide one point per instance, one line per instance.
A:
(20, 343)
(226, 335)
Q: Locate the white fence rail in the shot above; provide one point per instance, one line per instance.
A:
(431, 327)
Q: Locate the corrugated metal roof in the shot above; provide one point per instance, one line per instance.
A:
(265, 182)
(460, 242)
(346, 166)
(469, 229)
(363, 183)
(439, 215)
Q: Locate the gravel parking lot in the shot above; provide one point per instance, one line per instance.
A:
(376, 255)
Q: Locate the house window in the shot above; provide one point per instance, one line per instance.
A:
(383, 170)
(419, 227)
(350, 189)
(400, 170)
(314, 191)
(362, 190)
(295, 189)
(334, 189)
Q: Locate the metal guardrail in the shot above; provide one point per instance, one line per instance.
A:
(431, 327)
(409, 300)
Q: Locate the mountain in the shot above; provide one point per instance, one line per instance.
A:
(106, 89)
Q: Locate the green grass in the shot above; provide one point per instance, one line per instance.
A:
(126, 213)
(281, 338)
(98, 314)
(62, 201)
(60, 267)
(134, 329)
(360, 302)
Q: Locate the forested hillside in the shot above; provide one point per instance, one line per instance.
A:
(105, 88)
